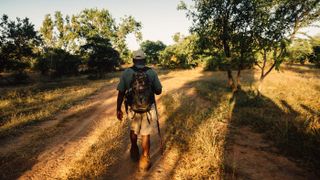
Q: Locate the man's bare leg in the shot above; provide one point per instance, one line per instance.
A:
(144, 163)
(146, 145)
(133, 138)
(134, 151)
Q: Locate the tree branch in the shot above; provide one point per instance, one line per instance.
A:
(259, 65)
(273, 65)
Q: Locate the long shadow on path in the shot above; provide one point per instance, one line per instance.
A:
(266, 141)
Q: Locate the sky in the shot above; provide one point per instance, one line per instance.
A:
(160, 18)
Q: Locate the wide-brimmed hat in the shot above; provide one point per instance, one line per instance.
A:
(139, 54)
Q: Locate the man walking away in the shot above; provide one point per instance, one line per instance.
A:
(137, 87)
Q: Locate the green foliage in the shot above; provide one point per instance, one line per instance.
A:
(299, 51)
(277, 25)
(72, 34)
(102, 57)
(243, 28)
(224, 25)
(152, 50)
(58, 62)
(184, 54)
(213, 63)
(18, 39)
(177, 37)
(315, 55)
(59, 24)
(128, 25)
(46, 30)
(94, 22)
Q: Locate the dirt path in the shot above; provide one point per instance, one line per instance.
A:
(76, 133)
(72, 132)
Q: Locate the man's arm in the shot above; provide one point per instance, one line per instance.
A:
(121, 93)
(119, 104)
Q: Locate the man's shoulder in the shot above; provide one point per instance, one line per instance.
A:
(151, 70)
(148, 70)
(128, 71)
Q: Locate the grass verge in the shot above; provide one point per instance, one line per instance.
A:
(196, 126)
(25, 105)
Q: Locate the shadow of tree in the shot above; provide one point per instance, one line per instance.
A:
(188, 111)
(43, 139)
(194, 113)
(286, 128)
(289, 131)
(306, 69)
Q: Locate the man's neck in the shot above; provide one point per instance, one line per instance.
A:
(139, 65)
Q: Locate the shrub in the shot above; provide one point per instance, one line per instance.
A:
(58, 62)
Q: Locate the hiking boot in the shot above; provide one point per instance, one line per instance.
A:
(144, 163)
(134, 153)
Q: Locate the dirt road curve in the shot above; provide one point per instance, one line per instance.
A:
(78, 132)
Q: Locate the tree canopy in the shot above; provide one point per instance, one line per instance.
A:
(152, 50)
(241, 29)
(62, 33)
(18, 39)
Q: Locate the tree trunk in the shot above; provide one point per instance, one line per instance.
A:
(238, 78)
(230, 78)
(226, 49)
(260, 85)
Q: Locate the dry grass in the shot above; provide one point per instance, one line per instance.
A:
(197, 120)
(287, 112)
(25, 105)
(196, 127)
(102, 154)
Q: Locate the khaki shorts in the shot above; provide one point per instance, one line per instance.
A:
(145, 123)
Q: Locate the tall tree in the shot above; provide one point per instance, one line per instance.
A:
(47, 31)
(302, 14)
(275, 25)
(244, 27)
(18, 41)
(59, 24)
(223, 25)
(93, 22)
(101, 56)
(127, 25)
(72, 33)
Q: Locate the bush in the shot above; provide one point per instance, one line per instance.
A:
(212, 63)
(183, 54)
(216, 62)
(21, 77)
(58, 62)
(315, 56)
(299, 51)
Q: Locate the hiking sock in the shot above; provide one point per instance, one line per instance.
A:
(134, 153)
